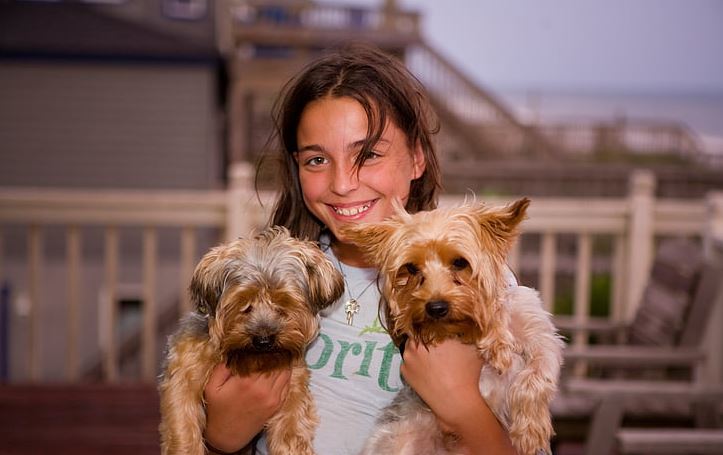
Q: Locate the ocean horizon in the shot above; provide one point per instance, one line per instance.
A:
(701, 112)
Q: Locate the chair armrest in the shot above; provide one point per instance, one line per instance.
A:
(595, 325)
(634, 388)
(635, 356)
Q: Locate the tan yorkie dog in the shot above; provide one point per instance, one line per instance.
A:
(444, 277)
(257, 302)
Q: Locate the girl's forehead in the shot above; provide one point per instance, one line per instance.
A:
(340, 118)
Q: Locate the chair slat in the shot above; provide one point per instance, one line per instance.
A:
(670, 441)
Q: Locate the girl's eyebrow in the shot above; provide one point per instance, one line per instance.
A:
(353, 146)
(311, 148)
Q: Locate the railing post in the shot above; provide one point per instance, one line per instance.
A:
(640, 237)
(713, 239)
(239, 204)
(224, 21)
(713, 249)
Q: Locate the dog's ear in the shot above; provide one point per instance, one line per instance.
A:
(326, 283)
(371, 238)
(503, 223)
(513, 214)
(209, 277)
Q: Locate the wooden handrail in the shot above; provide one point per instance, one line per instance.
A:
(461, 79)
(448, 85)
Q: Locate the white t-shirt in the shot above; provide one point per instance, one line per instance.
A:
(354, 369)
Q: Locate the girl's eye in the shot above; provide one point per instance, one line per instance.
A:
(369, 155)
(315, 161)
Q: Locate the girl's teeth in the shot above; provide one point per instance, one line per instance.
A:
(352, 211)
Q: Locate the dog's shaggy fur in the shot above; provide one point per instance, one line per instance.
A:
(443, 274)
(257, 302)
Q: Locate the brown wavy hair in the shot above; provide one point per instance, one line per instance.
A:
(384, 87)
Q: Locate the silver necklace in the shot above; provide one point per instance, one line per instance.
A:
(351, 307)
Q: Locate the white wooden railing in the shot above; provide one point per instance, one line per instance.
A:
(632, 224)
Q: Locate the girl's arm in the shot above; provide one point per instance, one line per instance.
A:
(446, 377)
(237, 407)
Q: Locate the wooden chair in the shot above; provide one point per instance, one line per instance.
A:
(663, 343)
(608, 435)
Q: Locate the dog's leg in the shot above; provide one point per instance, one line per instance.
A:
(530, 421)
(183, 418)
(291, 430)
(531, 392)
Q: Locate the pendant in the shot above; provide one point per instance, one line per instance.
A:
(351, 307)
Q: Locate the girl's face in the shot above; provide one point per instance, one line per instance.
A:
(330, 136)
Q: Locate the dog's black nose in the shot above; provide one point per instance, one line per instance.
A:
(437, 308)
(264, 342)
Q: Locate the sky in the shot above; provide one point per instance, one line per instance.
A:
(659, 59)
(589, 45)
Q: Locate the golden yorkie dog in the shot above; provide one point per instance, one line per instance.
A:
(257, 304)
(444, 276)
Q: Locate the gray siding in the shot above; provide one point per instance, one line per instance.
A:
(108, 125)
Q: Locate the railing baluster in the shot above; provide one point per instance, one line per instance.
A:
(108, 323)
(582, 278)
(582, 291)
(548, 264)
(73, 243)
(188, 257)
(148, 342)
(618, 275)
(35, 259)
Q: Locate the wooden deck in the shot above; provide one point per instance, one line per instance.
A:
(79, 419)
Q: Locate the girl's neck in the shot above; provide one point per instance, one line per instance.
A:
(349, 254)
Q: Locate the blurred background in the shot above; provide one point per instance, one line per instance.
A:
(130, 132)
(536, 92)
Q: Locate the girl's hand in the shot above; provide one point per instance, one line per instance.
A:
(238, 407)
(446, 376)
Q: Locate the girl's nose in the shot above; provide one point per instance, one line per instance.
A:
(344, 180)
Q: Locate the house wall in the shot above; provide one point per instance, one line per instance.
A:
(109, 125)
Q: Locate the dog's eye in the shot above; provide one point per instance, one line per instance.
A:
(411, 268)
(460, 264)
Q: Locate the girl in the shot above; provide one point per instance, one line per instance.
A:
(355, 132)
